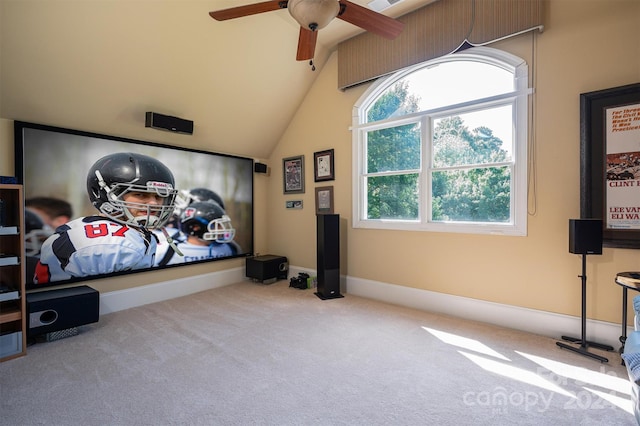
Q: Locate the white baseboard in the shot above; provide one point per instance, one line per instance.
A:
(137, 296)
(530, 320)
(533, 321)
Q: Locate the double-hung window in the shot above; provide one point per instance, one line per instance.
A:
(442, 146)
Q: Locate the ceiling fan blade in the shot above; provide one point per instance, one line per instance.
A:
(249, 9)
(306, 44)
(370, 20)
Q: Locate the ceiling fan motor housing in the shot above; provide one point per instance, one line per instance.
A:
(314, 14)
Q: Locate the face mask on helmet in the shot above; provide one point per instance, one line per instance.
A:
(183, 199)
(141, 215)
(220, 230)
(207, 221)
(36, 232)
(33, 240)
(116, 176)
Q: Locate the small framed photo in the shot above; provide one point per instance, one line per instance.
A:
(293, 174)
(293, 204)
(324, 200)
(323, 165)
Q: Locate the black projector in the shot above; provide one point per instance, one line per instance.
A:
(267, 268)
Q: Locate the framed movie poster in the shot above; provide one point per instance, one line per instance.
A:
(610, 163)
(323, 165)
(293, 174)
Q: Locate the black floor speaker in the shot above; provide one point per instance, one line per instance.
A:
(328, 256)
(585, 236)
(56, 310)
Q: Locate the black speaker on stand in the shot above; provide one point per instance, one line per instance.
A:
(328, 256)
(585, 237)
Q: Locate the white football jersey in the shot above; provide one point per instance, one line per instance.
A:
(93, 245)
(163, 244)
(192, 253)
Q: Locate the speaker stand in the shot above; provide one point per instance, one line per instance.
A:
(584, 344)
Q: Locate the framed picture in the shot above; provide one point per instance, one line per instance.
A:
(323, 165)
(324, 200)
(293, 204)
(610, 163)
(293, 174)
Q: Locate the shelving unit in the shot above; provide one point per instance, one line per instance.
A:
(13, 342)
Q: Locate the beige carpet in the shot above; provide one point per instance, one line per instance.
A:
(253, 354)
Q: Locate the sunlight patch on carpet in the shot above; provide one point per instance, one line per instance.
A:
(465, 343)
(620, 402)
(516, 373)
(565, 372)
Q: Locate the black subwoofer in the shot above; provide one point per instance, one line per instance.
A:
(56, 310)
(585, 236)
(267, 268)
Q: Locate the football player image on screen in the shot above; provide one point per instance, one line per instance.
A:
(134, 194)
(184, 198)
(36, 233)
(196, 195)
(53, 211)
(209, 235)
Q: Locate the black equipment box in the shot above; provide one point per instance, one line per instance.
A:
(56, 310)
(267, 268)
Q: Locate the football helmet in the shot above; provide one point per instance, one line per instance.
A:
(207, 221)
(36, 231)
(186, 197)
(115, 175)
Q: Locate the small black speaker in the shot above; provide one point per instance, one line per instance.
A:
(328, 256)
(167, 122)
(56, 310)
(267, 268)
(585, 236)
(260, 168)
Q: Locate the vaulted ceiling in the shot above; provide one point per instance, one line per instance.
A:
(100, 65)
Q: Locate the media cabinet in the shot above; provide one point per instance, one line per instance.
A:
(13, 342)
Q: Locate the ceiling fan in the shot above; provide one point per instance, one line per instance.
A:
(313, 15)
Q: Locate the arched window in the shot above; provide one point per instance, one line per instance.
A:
(442, 146)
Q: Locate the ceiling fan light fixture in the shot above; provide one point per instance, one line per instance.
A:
(313, 14)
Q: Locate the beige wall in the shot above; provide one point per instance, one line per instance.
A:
(587, 45)
(586, 48)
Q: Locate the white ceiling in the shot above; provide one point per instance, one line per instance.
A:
(99, 65)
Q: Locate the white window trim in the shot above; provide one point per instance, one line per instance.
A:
(518, 225)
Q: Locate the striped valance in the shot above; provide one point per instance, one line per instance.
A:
(434, 30)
